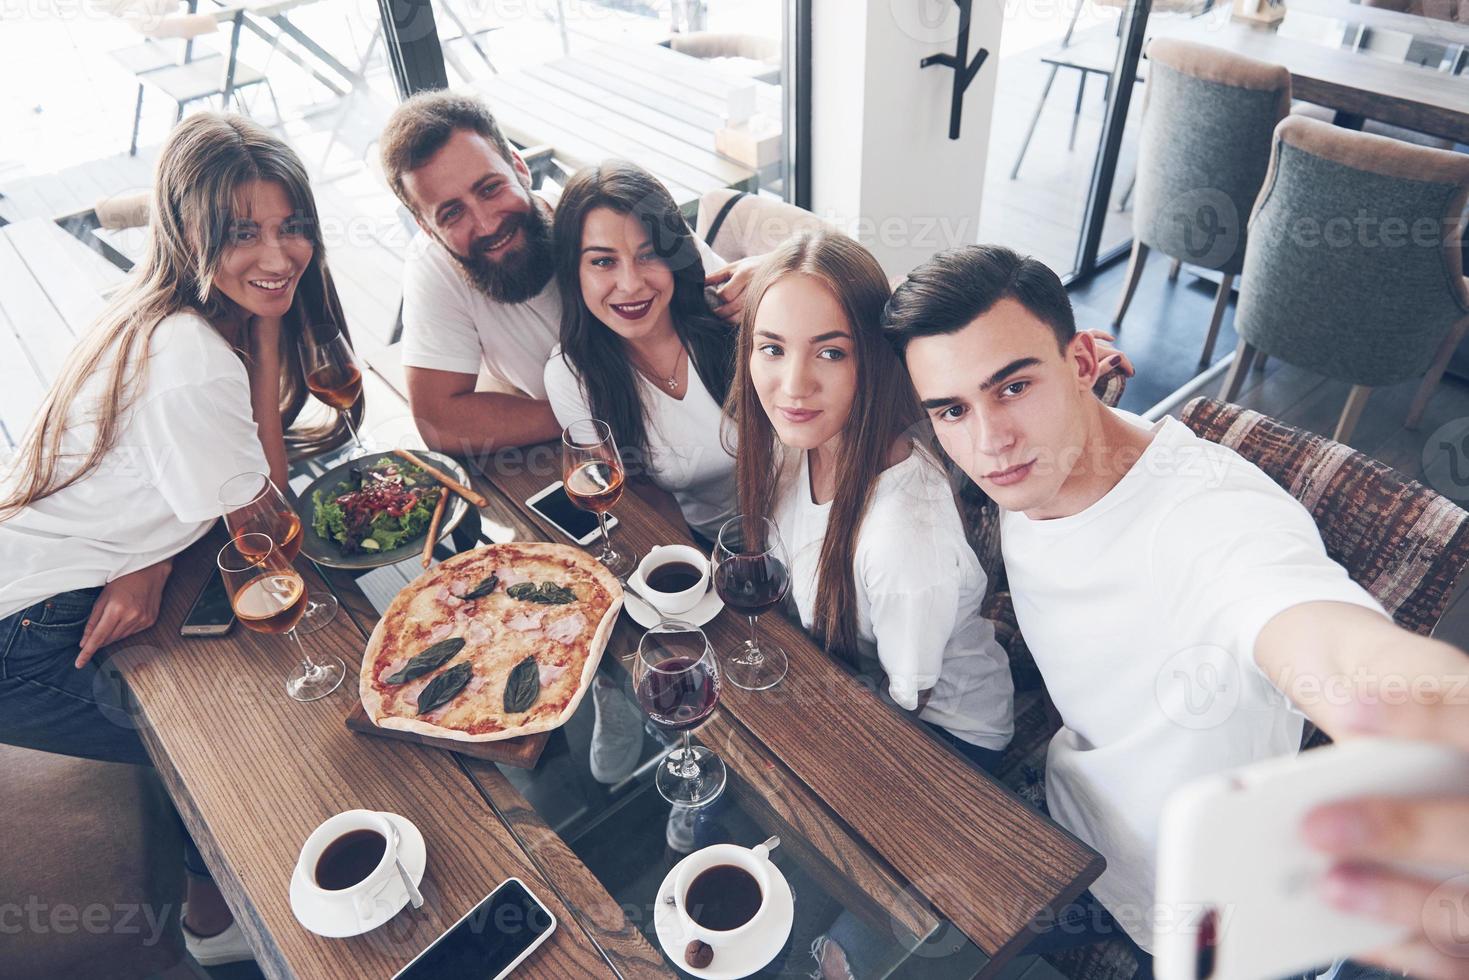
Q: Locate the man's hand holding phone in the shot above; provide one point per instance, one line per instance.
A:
(1368, 835)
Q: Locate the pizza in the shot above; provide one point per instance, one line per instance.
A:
(494, 643)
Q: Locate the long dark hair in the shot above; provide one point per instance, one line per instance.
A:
(596, 355)
(884, 410)
(207, 159)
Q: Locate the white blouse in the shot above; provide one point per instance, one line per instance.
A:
(686, 454)
(157, 490)
(919, 589)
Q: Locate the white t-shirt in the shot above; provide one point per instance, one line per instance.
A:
(919, 588)
(686, 454)
(157, 491)
(1142, 613)
(450, 325)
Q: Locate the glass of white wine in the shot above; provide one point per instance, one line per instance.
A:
(268, 595)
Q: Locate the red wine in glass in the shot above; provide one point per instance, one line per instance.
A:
(680, 694)
(752, 585)
(752, 575)
(676, 676)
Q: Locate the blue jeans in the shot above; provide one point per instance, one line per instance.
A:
(986, 759)
(49, 705)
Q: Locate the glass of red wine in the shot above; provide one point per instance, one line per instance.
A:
(677, 680)
(752, 574)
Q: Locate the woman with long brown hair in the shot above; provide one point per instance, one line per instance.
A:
(191, 376)
(833, 449)
(640, 348)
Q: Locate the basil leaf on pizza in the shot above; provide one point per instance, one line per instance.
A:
(441, 690)
(483, 589)
(523, 686)
(428, 661)
(547, 593)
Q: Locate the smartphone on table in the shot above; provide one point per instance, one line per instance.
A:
(492, 939)
(211, 614)
(554, 504)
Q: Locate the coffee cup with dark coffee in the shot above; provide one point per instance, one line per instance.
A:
(350, 858)
(722, 893)
(673, 578)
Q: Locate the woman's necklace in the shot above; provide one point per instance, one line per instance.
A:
(671, 379)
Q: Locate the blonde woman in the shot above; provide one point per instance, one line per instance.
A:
(190, 377)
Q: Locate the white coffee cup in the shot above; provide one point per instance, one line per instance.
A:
(367, 893)
(672, 603)
(754, 860)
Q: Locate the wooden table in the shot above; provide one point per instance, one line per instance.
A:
(1406, 95)
(647, 103)
(874, 814)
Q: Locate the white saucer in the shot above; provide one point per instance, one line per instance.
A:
(647, 616)
(339, 919)
(737, 959)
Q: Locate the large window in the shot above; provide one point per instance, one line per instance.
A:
(691, 89)
(695, 90)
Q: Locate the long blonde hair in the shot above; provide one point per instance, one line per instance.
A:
(885, 410)
(201, 169)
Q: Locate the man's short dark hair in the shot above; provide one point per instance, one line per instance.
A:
(421, 126)
(946, 293)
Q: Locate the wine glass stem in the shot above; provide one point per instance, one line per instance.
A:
(606, 538)
(347, 418)
(307, 663)
(754, 656)
(688, 767)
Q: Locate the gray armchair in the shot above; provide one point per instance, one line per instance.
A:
(1208, 116)
(1354, 268)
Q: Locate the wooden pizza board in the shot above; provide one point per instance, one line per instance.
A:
(523, 752)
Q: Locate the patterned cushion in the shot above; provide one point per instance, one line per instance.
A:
(1398, 539)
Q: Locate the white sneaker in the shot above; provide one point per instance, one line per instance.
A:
(227, 947)
(617, 734)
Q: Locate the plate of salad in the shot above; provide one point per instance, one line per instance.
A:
(376, 510)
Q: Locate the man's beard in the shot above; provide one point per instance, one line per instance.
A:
(520, 272)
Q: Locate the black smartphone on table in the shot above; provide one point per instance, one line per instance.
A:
(554, 504)
(492, 939)
(211, 614)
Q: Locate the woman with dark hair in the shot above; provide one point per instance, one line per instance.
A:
(833, 448)
(639, 347)
(193, 375)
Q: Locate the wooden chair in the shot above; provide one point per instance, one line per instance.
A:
(1340, 277)
(191, 79)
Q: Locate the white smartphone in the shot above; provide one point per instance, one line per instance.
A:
(554, 504)
(1238, 895)
(492, 939)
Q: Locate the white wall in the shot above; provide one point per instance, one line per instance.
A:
(883, 166)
